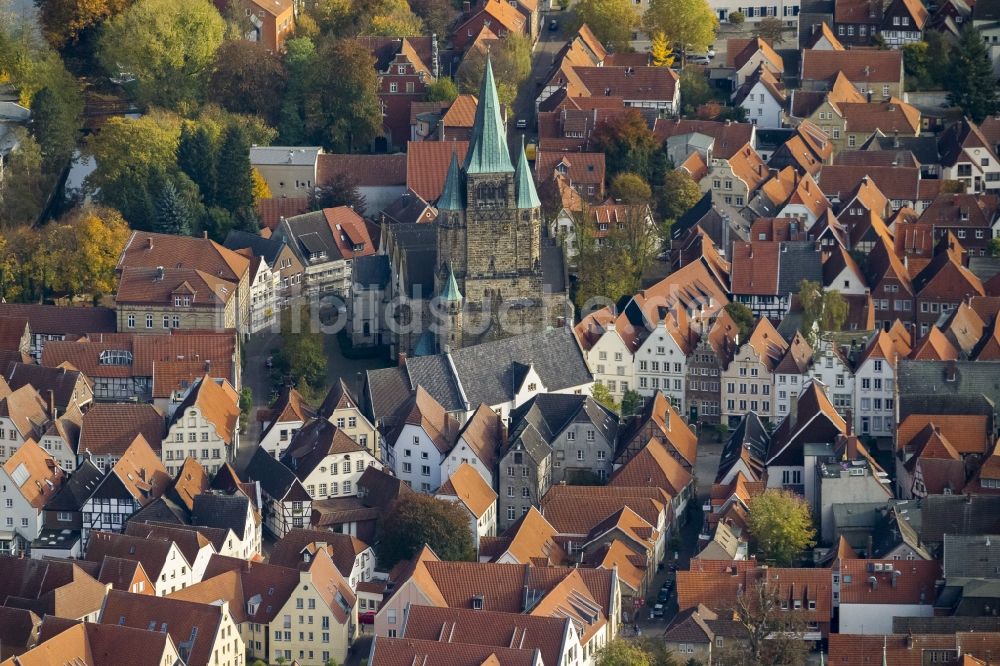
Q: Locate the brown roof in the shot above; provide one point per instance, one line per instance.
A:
(577, 509)
(632, 83)
(860, 66)
(653, 466)
(462, 112)
(532, 540)
(58, 320)
(755, 267)
(271, 211)
(934, 347)
(424, 411)
(343, 549)
(895, 183)
(13, 331)
(109, 429)
(885, 117)
(739, 52)
(729, 137)
(218, 403)
(427, 165)
(44, 476)
(914, 584)
(709, 583)
(121, 573)
(152, 552)
(363, 170)
(968, 433)
(146, 249)
(962, 210)
(96, 645)
(466, 484)
(140, 285)
(581, 168)
(409, 651)
(311, 445)
(858, 11)
(489, 628)
(484, 432)
(899, 649)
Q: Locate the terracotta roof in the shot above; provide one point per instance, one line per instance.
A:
(141, 472)
(191, 480)
(914, 584)
(653, 466)
(152, 552)
(343, 549)
(934, 347)
(150, 250)
(363, 170)
(968, 433)
(749, 167)
(739, 52)
(218, 403)
(488, 628)
(767, 343)
(572, 598)
(424, 411)
(729, 137)
(616, 555)
(632, 83)
(581, 168)
(42, 476)
(468, 486)
(532, 540)
(409, 651)
(271, 211)
(825, 32)
(576, 509)
(503, 13)
(26, 409)
(96, 645)
(858, 65)
(886, 117)
(109, 429)
(899, 649)
(710, 583)
(310, 446)
(427, 165)
(461, 113)
(121, 573)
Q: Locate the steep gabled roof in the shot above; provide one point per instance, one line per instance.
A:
(470, 489)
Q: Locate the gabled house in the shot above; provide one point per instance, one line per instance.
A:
(469, 490)
(61, 588)
(748, 381)
(404, 68)
(28, 480)
(875, 372)
(877, 72)
(967, 155)
(54, 322)
(666, 342)
(478, 446)
(737, 177)
(340, 407)
(288, 413)
(162, 559)
(659, 420)
(326, 460)
(655, 467)
(973, 218)
(501, 17)
(529, 540)
(791, 373)
(353, 557)
(136, 479)
(609, 344)
(108, 430)
(943, 284)
(747, 56)
(762, 98)
(417, 445)
(196, 548)
(286, 504)
(24, 415)
(63, 520)
(710, 355)
(205, 426)
(767, 273)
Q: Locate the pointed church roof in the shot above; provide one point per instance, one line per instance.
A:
(451, 197)
(451, 292)
(527, 197)
(488, 147)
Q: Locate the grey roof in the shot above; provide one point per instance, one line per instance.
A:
(266, 248)
(488, 145)
(372, 271)
(958, 514)
(275, 479)
(798, 261)
(723, 223)
(971, 556)
(216, 509)
(434, 374)
(80, 487)
(902, 624)
(308, 234)
(162, 510)
(384, 391)
(284, 155)
(551, 413)
(408, 208)
(418, 242)
(530, 440)
(932, 403)
(750, 433)
(984, 268)
(964, 378)
(924, 148)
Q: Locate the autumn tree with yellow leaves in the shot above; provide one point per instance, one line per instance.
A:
(660, 51)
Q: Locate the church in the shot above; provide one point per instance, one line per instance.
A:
(483, 270)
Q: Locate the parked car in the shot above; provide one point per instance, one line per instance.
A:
(657, 611)
(699, 59)
(553, 25)
(269, 363)
(663, 597)
(522, 123)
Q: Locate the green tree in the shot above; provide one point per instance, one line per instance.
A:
(437, 14)
(916, 64)
(24, 187)
(742, 317)
(971, 83)
(247, 78)
(825, 308)
(395, 19)
(939, 57)
(695, 89)
(770, 29)
(676, 195)
(339, 190)
(627, 142)
(234, 175)
(417, 520)
(689, 24)
(511, 68)
(631, 188)
(612, 21)
(167, 45)
(300, 358)
(613, 268)
(660, 50)
(631, 403)
(780, 526)
(196, 158)
(995, 247)
(172, 213)
(442, 90)
(55, 125)
(601, 394)
(621, 652)
(736, 18)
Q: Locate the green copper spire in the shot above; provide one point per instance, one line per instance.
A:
(451, 293)
(451, 198)
(488, 148)
(527, 197)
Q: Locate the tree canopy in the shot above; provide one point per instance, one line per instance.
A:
(621, 652)
(627, 142)
(660, 50)
(743, 318)
(678, 193)
(689, 24)
(300, 358)
(780, 526)
(611, 21)
(771, 634)
(511, 68)
(442, 90)
(417, 520)
(247, 78)
(63, 21)
(825, 308)
(971, 83)
(631, 188)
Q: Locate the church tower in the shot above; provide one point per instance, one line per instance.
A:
(489, 229)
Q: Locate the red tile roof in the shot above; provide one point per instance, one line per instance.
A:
(905, 582)
(427, 165)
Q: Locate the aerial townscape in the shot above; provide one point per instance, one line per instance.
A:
(499, 332)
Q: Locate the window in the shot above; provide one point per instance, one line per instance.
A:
(579, 455)
(131, 321)
(149, 321)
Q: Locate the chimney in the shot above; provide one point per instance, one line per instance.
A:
(402, 359)
(52, 403)
(466, 8)
(208, 365)
(204, 234)
(149, 242)
(159, 273)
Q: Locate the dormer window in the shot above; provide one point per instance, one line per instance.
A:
(477, 602)
(182, 301)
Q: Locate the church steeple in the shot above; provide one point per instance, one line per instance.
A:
(451, 197)
(527, 197)
(488, 147)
